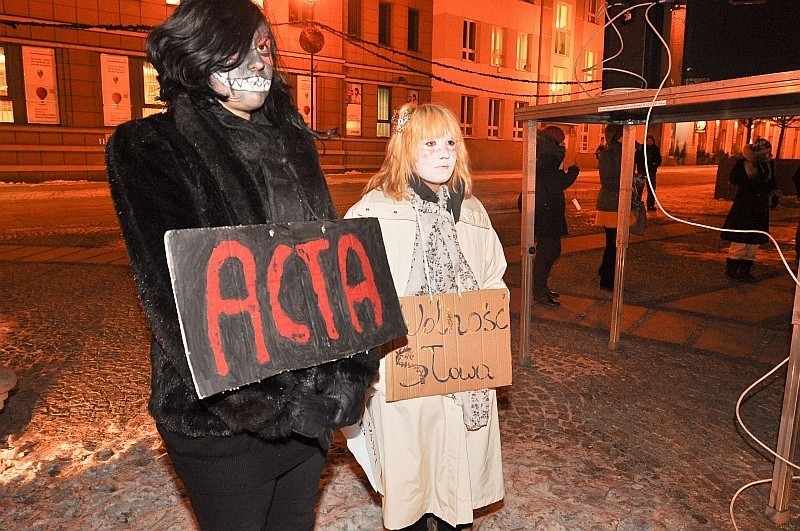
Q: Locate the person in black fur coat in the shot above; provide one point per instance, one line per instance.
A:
(230, 150)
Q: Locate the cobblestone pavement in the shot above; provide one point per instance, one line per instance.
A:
(639, 438)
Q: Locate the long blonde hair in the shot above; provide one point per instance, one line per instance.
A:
(413, 126)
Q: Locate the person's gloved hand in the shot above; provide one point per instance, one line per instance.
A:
(340, 405)
(574, 169)
(312, 415)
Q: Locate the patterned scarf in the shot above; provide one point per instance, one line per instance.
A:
(438, 266)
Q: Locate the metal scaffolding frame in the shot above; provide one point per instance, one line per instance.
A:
(749, 97)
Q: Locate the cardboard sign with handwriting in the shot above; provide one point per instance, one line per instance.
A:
(454, 343)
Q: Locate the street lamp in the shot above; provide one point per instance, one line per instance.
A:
(312, 41)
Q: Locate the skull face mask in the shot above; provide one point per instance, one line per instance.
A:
(254, 74)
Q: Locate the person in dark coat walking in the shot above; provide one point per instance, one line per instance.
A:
(231, 149)
(754, 175)
(650, 168)
(550, 222)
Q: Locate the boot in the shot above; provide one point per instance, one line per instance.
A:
(732, 268)
(744, 271)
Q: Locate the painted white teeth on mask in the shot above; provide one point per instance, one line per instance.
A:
(250, 84)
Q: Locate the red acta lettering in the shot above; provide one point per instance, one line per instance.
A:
(309, 253)
(284, 324)
(216, 305)
(364, 290)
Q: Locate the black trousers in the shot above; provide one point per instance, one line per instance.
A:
(245, 483)
(608, 264)
(651, 199)
(651, 185)
(548, 250)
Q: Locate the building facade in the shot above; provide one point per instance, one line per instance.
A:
(492, 57)
(71, 70)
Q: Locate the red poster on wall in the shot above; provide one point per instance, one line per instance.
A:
(116, 83)
(41, 95)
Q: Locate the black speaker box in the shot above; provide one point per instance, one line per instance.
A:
(637, 49)
(726, 39)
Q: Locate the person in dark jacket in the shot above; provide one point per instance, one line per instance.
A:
(230, 150)
(754, 175)
(649, 169)
(550, 222)
(610, 167)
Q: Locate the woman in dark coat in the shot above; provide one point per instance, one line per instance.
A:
(754, 175)
(550, 222)
(610, 167)
(230, 150)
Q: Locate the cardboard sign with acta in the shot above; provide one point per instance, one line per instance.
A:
(257, 300)
(454, 343)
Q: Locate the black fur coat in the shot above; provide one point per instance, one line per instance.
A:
(185, 169)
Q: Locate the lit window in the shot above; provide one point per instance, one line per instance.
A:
(589, 66)
(496, 58)
(523, 46)
(467, 113)
(300, 11)
(6, 105)
(558, 90)
(385, 24)
(384, 115)
(413, 30)
(152, 105)
(591, 11)
(561, 36)
(493, 129)
(583, 138)
(468, 40)
(518, 124)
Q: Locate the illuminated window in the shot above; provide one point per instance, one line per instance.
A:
(6, 105)
(493, 129)
(468, 40)
(496, 57)
(384, 112)
(385, 23)
(300, 11)
(583, 138)
(151, 91)
(558, 90)
(518, 124)
(467, 115)
(523, 46)
(561, 35)
(590, 66)
(591, 11)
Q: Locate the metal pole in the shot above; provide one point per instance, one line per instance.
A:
(311, 103)
(623, 229)
(778, 508)
(527, 247)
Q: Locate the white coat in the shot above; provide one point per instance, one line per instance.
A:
(425, 459)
